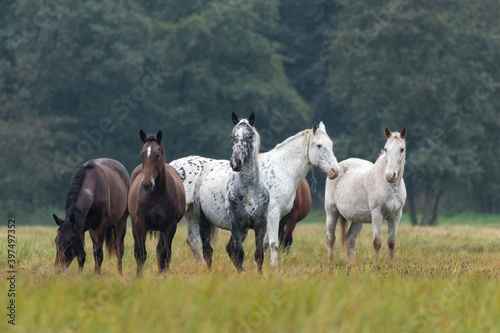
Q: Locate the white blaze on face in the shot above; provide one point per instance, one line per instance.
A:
(149, 151)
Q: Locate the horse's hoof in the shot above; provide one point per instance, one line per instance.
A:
(275, 263)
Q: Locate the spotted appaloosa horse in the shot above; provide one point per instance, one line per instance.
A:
(301, 207)
(96, 201)
(156, 201)
(233, 196)
(368, 193)
(283, 168)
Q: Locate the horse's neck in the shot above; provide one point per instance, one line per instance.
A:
(292, 156)
(80, 214)
(161, 181)
(249, 174)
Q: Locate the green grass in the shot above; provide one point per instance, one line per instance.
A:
(443, 279)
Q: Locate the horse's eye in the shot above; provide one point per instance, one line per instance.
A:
(402, 150)
(158, 156)
(385, 149)
(320, 146)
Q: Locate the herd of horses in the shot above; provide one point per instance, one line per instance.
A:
(266, 192)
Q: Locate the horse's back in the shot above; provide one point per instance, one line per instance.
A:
(348, 191)
(189, 169)
(116, 178)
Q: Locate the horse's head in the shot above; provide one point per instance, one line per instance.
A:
(153, 158)
(321, 151)
(69, 243)
(395, 151)
(246, 141)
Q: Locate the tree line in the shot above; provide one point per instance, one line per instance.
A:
(79, 79)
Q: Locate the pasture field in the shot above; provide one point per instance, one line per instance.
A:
(443, 279)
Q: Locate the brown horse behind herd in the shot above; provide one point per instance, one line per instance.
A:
(300, 209)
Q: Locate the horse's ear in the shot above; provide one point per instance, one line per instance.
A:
(403, 132)
(72, 220)
(236, 120)
(159, 136)
(322, 126)
(142, 135)
(58, 220)
(251, 119)
(315, 128)
(387, 132)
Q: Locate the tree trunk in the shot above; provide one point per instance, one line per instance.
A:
(433, 220)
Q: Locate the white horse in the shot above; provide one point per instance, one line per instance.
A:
(233, 196)
(368, 193)
(283, 169)
(285, 166)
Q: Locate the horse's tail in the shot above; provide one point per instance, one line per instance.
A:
(213, 233)
(110, 240)
(343, 231)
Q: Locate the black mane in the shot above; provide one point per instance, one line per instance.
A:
(76, 184)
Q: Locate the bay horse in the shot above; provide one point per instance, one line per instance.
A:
(283, 168)
(156, 201)
(96, 201)
(368, 193)
(301, 207)
(233, 196)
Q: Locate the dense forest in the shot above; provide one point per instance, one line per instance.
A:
(78, 79)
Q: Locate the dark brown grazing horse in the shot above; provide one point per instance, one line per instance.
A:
(96, 201)
(156, 201)
(300, 209)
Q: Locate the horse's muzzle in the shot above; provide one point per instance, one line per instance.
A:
(333, 173)
(390, 177)
(148, 187)
(236, 164)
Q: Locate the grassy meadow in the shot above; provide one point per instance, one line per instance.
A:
(443, 279)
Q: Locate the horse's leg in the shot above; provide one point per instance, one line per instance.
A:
(140, 253)
(377, 219)
(272, 233)
(161, 252)
(121, 229)
(205, 233)
(81, 258)
(260, 232)
(281, 231)
(351, 238)
(98, 241)
(193, 237)
(288, 237)
(332, 215)
(230, 244)
(164, 251)
(392, 224)
(238, 254)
